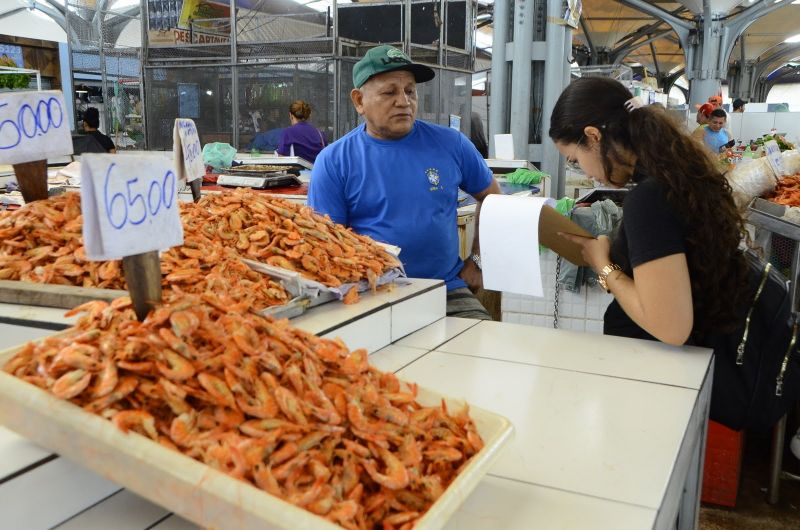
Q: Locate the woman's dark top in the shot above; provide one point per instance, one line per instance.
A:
(650, 230)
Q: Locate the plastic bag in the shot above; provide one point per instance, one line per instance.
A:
(749, 180)
(218, 155)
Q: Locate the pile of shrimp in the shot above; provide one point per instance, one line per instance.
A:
(290, 236)
(298, 416)
(787, 191)
(43, 243)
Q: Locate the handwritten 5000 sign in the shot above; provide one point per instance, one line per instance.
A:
(30, 122)
(33, 126)
(191, 142)
(144, 197)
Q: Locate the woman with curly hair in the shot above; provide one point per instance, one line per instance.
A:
(674, 268)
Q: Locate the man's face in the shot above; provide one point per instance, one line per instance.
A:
(388, 103)
(716, 123)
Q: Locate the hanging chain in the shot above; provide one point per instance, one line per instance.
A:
(555, 302)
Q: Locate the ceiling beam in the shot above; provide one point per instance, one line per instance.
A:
(618, 55)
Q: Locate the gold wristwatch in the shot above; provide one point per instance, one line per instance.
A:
(602, 278)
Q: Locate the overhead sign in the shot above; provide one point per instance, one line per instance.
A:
(33, 126)
(187, 151)
(130, 205)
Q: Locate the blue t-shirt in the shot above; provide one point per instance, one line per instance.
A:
(715, 140)
(403, 192)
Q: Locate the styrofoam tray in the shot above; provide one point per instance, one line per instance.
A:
(190, 488)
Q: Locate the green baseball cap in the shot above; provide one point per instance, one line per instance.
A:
(387, 58)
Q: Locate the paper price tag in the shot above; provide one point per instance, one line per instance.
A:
(187, 150)
(130, 205)
(774, 157)
(33, 126)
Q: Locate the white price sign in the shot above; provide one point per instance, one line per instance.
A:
(130, 205)
(33, 126)
(187, 151)
(774, 157)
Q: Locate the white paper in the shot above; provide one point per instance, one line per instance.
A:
(773, 154)
(33, 126)
(130, 205)
(509, 239)
(187, 151)
(504, 147)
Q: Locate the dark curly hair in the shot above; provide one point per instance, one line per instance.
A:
(695, 188)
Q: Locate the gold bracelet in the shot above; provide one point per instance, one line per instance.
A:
(602, 278)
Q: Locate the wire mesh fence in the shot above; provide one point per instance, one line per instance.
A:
(105, 55)
(238, 90)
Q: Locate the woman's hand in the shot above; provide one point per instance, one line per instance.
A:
(596, 252)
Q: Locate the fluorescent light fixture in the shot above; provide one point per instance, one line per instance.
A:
(793, 39)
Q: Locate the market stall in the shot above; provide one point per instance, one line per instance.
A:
(609, 433)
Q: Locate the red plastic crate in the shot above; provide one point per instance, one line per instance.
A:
(723, 465)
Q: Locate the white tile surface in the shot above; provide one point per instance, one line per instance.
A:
(394, 357)
(175, 522)
(50, 494)
(415, 313)
(502, 504)
(122, 511)
(11, 335)
(437, 333)
(601, 436)
(17, 452)
(327, 317)
(39, 314)
(372, 332)
(614, 356)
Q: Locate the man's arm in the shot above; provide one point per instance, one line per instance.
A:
(470, 273)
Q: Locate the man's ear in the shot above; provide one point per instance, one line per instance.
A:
(357, 97)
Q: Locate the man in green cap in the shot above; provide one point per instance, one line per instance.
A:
(396, 178)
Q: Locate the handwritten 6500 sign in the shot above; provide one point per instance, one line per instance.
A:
(130, 205)
(33, 126)
(134, 207)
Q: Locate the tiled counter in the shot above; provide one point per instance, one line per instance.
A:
(581, 311)
(609, 434)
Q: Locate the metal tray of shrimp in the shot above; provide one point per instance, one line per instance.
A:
(771, 216)
(309, 293)
(192, 489)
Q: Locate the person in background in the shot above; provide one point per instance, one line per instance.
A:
(715, 101)
(673, 268)
(91, 121)
(703, 112)
(738, 105)
(301, 138)
(396, 178)
(477, 136)
(268, 137)
(715, 136)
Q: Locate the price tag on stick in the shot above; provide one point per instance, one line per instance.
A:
(130, 205)
(33, 126)
(188, 154)
(130, 211)
(774, 157)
